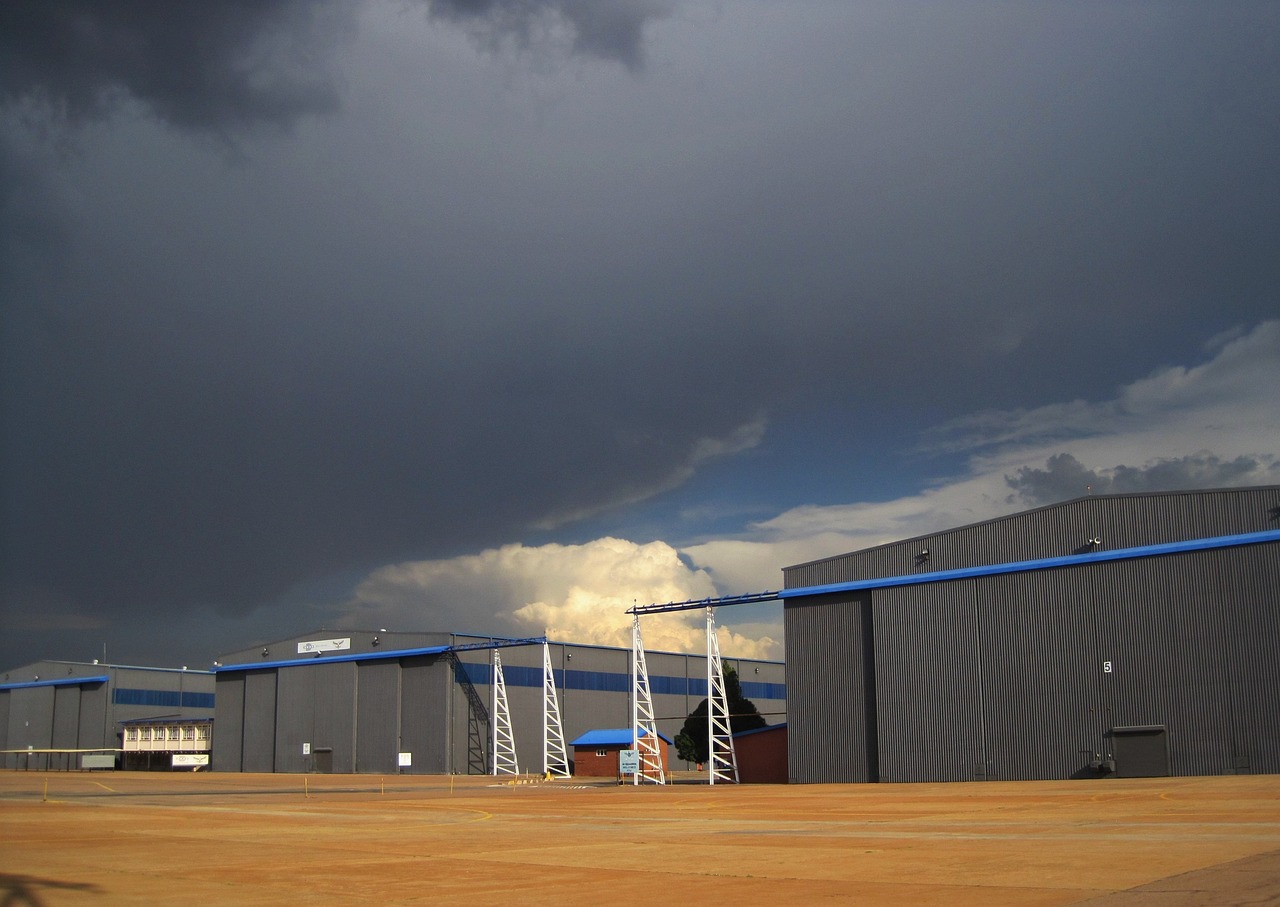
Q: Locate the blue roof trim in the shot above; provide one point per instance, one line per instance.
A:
(494, 643)
(1070, 560)
(333, 659)
(59, 682)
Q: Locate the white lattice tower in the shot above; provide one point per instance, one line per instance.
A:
(555, 757)
(504, 742)
(644, 728)
(722, 761)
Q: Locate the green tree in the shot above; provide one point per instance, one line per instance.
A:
(692, 743)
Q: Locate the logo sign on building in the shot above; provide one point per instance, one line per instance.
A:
(628, 761)
(323, 645)
(190, 760)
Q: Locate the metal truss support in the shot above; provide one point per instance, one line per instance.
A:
(722, 761)
(504, 742)
(555, 757)
(644, 728)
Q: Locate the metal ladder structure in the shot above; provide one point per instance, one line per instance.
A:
(555, 756)
(722, 761)
(504, 742)
(644, 728)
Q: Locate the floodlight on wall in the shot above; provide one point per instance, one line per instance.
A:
(922, 557)
(265, 651)
(568, 655)
(375, 640)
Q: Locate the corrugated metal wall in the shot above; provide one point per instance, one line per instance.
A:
(827, 731)
(315, 710)
(1024, 675)
(229, 725)
(95, 730)
(1038, 690)
(928, 686)
(66, 717)
(30, 722)
(424, 683)
(378, 711)
(259, 753)
(1252, 661)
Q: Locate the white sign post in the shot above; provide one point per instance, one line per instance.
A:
(628, 761)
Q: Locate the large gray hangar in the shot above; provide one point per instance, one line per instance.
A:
(54, 714)
(373, 701)
(1129, 634)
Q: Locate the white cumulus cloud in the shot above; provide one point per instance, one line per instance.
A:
(575, 593)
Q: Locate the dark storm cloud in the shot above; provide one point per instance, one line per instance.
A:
(195, 64)
(1064, 477)
(609, 31)
(466, 304)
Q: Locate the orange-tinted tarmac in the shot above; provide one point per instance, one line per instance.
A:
(137, 838)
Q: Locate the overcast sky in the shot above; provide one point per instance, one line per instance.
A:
(500, 316)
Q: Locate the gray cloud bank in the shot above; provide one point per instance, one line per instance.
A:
(464, 299)
(194, 64)
(1063, 477)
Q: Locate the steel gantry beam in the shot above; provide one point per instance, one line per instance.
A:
(694, 604)
(722, 761)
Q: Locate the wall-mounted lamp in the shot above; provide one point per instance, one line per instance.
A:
(922, 557)
(375, 640)
(265, 651)
(568, 655)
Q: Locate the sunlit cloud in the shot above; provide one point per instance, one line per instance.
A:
(1209, 425)
(574, 593)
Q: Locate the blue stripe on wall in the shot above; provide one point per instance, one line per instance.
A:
(169, 699)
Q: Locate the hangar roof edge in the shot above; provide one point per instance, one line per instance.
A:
(1070, 560)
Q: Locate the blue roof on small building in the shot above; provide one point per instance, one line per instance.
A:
(619, 736)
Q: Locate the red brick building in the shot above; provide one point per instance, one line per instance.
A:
(596, 753)
(762, 755)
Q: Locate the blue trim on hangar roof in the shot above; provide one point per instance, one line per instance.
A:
(1070, 560)
(55, 682)
(496, 642)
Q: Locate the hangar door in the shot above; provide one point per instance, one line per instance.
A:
(1141, 752)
